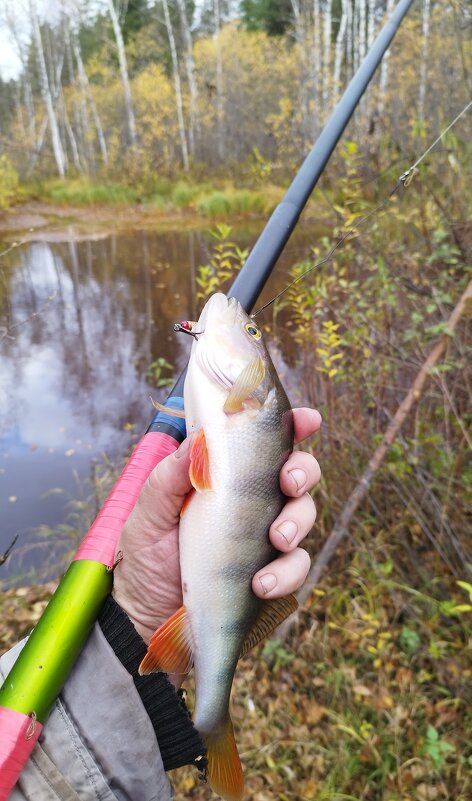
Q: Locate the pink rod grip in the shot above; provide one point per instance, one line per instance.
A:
(99, 545)
(19, 736)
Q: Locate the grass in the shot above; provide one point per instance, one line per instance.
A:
(202, 198)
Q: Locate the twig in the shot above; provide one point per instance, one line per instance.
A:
(340, 529)
(5, 330)
(4, 556)
(12, 247)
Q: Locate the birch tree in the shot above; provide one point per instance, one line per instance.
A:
(177, 85)
(46, 94)
(120, 45)
(316, 66)
(423, 63)
(190, 71)
(326, 55)
(339, 46)
(383, 79)
(88, 96)
(220, 122)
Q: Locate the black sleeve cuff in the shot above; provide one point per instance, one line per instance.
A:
(179, 742)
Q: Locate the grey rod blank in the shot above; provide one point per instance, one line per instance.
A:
(278, 229)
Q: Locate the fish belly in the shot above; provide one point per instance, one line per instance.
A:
(223, 542)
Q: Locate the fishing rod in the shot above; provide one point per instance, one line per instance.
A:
(38, 675)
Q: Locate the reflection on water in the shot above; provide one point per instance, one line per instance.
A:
(80, 323)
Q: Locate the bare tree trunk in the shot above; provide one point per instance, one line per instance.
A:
(362, 31)
(370, 23)
(177, 85)
(192, 83)
(339, 48)
(326, 55)
(318, 111)
(349, 39)
(383, 80)
(46, 95)
(70, 135)
(219, 81)
(340, 529)
(423, 63)
(130, 121)
(87, 94)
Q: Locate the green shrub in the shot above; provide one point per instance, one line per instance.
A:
(217, 204)
(183, 194)
(8, 182)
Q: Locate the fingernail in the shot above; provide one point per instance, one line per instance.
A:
(183, 448)
(268, 582)
(288, 529)
(299, 477)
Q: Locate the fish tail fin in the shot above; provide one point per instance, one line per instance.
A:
(225, 773)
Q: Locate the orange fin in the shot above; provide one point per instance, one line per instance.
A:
(225, 773)
(171, 647)
(168, 409)
(245, 384)
(272, 614)
(199, 463)
(186, 502)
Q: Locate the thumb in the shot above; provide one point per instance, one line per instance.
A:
(164, 492)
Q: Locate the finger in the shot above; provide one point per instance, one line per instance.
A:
(284, 575)
(293, 523)
(163, 494)
(305, 422)
(300, 473)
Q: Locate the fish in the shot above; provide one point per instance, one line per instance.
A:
(241, 421)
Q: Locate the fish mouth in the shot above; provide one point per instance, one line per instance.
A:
(218, 308)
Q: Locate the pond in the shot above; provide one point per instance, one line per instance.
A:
(81, 322)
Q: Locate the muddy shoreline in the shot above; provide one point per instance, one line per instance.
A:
(47, 222)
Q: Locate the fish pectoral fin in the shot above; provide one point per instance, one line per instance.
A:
(186, 502)
(170, 648)
(168, 409)
(225, 773)
(200, 463)
(247, 381)
(272, 614)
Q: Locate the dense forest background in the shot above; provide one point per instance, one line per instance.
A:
(207, 109)
(141, 91)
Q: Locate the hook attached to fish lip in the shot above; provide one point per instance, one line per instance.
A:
(186, 327)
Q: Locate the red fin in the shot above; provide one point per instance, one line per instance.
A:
(170, 649)
(186, 502)
(199, 463)
(225, 773)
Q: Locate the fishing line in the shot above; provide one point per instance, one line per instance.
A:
(404, 180)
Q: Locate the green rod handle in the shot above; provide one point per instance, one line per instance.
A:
(36, 680)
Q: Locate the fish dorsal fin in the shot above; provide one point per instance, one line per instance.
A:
(170, 648)
(245, 384)
(225, 773)
(272, 614)
(200, 463)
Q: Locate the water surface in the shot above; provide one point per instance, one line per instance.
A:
(81, 322)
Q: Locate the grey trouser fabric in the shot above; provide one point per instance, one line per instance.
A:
(98, 743)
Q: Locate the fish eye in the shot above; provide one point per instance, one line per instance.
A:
(253, 331)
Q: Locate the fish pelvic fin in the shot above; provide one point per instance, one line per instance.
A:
(170, 648)
(200, 463)
(224, 772)
(246, 383)
(272, 614)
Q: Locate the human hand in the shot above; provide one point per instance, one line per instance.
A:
(147, 581)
